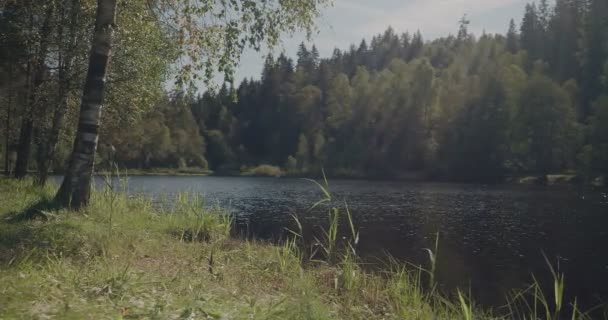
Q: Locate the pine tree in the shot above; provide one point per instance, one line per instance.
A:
(512, 38)
(463, 31)
(563, 37)
(304, 56)
(314, 54)
(416, 46)
(544, 14)
(405, 44)
(594, 53)
(362, 54)
(531, 34)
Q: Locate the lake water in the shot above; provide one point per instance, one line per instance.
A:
(491, 237)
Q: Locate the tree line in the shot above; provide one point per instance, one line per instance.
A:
(533, 101)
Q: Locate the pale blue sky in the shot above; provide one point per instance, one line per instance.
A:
(349, 21)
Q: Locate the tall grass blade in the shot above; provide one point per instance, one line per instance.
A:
(465, 307)
(433, 259)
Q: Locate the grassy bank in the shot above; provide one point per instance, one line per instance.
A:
(161, 172)
(122, 258)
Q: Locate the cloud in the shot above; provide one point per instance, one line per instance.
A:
(436, 17)
(364, 8)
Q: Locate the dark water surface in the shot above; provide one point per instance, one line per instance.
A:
(491, 237)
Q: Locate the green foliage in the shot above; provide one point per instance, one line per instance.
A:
(212, 36)
(291, 166)
(339, 101)
(219, 152)
(166, 137)
(478, 146)
(546, 125)
(303, 153)
(143, 52)
(263, 170)
(599, 137)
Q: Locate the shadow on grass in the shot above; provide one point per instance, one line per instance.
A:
(190, 235)
(41, 210)
(36, 232)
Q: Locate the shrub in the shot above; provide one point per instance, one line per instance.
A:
(263, 170)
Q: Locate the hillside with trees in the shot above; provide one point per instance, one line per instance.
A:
(533, 101)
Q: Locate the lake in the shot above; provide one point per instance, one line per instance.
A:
(491, 237)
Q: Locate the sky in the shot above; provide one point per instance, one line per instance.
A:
(347, 22)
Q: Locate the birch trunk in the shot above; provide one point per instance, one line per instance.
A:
(76, 187)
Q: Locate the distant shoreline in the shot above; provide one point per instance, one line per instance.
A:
(563, 179)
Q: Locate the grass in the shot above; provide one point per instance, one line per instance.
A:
(121, 258)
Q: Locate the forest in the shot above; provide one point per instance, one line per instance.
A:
(464, 107)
